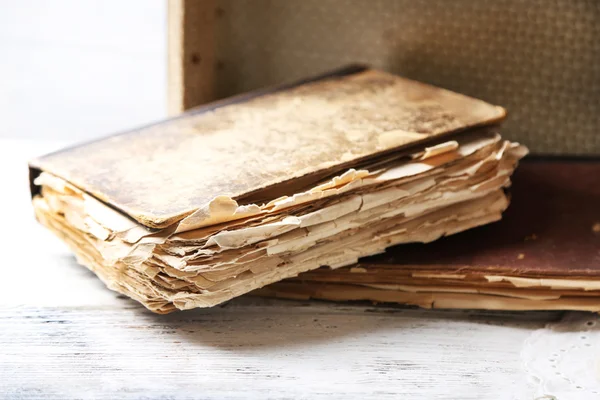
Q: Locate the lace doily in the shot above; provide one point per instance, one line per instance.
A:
(564, 358)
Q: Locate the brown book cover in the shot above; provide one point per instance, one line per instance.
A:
(250, 143)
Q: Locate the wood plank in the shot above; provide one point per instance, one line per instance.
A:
(262, 349)
(191, 62)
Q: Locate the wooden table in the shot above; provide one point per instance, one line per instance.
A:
(64, 335)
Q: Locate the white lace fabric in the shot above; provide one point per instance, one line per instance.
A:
(563, 359)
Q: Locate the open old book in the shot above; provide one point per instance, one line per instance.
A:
(246, 192)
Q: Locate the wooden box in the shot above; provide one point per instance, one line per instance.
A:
(538, 58)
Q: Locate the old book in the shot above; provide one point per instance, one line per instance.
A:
(242, 193)
(543, 255)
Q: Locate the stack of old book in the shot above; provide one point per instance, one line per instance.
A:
(228, 198)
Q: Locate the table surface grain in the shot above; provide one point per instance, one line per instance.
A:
(64, 335)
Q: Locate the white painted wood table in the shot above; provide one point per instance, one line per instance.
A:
(63, 335)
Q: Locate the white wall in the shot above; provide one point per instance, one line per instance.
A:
(71, 70)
